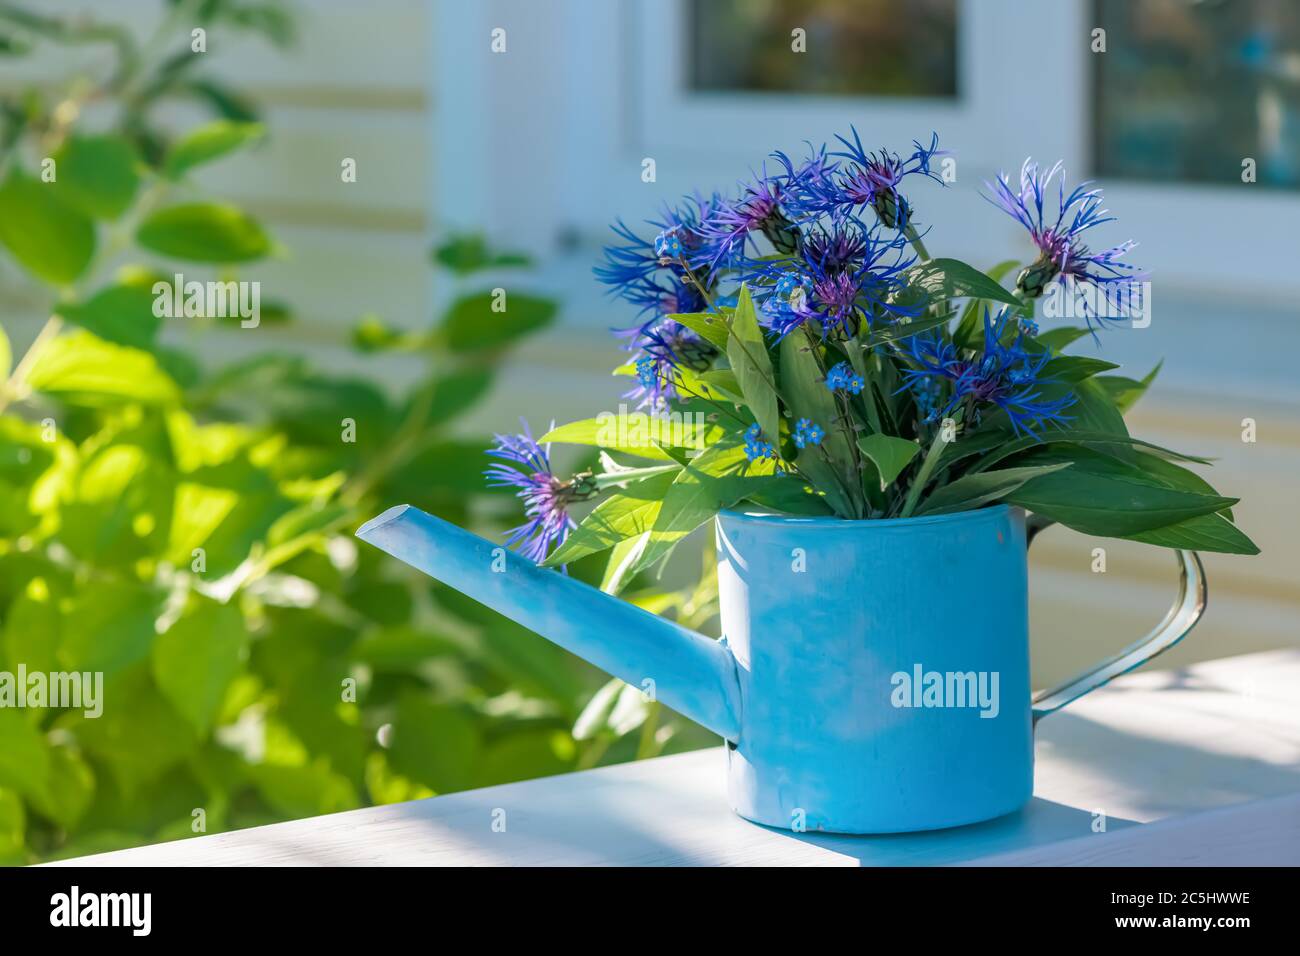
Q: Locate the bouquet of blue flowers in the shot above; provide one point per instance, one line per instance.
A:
(799, 351)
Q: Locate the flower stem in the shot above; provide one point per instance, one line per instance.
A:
(914, 238)
(923, 476)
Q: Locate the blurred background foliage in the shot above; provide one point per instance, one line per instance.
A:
(185, 527)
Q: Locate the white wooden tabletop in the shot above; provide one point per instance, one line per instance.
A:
(1208, 755)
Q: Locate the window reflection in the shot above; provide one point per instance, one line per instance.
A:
(1187, 89)
(853, 47)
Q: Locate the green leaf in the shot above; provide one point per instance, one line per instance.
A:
(69, 790)
(1097, 441)
(120, 313)
(97, 175)
(1057, 340)
(204, 232)
(482, 321)
(625, 514)
(210, 141)
(747, 352)
(714, 480)
(721, 383)
(637, 433)
(6, 354)
(109, 627)
(50, 238)
(121, 506)
(1074, 368)
(807, 396)
(622, 559)
(1211, 532)
(434, 744)
(82, 369)
(789, 495)
(1108, 497)
(138, 739)
(24, 756)
(941, 279)
(974, 491)
(467, 254)
(708, 326)
(13, 826)
(1125, 392)
(890, 455)
(970, 328)
(195, 660)
(906, 327)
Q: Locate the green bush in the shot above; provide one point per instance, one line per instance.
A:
(185, 530)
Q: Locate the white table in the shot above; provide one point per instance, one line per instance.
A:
(1199, 766)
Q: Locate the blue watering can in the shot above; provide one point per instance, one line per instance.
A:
(873, 676)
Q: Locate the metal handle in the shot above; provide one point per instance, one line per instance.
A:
(1178, 622)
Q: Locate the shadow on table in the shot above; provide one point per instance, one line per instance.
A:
(1038, 823)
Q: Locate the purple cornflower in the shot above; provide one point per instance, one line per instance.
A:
(873, 179)
(728, 230)
(1061, 251)
(546, 498)
(806, 433)
(1005, 375)
(842, 378)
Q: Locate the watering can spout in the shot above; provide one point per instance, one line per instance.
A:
(688, 672)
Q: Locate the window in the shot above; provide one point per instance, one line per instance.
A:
(1188, 90)
(855, 47)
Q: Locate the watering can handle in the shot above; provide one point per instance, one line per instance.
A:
(1183, 614)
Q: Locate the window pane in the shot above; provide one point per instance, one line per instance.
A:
(853, 47)
(1187, 90)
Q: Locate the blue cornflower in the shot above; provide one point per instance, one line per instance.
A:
(849, 271)
(806, 432)
(842, 378)
(546, 497)
(1005, 375)
(649, 274)
(756, 446)
(872, 179)
(1061, 252)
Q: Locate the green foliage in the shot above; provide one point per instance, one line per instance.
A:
(185, 528)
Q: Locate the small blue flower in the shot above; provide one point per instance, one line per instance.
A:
(790, 282)
(926, 392)
(546, 498)
(1028, 326)
(807, 433)
(668, 246)
(843, 378)
(756, 446)
(647, 372)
